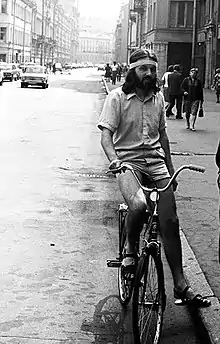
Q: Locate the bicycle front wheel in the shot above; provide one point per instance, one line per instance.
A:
(149, 300)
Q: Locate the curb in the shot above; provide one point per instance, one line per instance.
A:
(208, 319)
(105, 85)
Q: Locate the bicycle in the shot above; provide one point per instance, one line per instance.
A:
(148, 286)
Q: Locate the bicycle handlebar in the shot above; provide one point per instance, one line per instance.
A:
(126, 166)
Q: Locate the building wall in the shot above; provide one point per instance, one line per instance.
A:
(166, 28)
(24, 38)
(94, 48)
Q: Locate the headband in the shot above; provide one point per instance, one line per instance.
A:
(143, 62)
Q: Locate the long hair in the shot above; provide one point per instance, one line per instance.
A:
(130, 83)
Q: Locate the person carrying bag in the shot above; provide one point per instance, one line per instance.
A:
(193, 98)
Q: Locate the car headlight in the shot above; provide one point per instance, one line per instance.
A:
(22, 78)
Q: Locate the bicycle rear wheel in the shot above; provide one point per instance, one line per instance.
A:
(149, 300)
(125, 280)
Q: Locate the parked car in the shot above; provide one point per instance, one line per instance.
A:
(101, 66)
(35, 76)
(1, 77)
(58, 67)
(10, 71)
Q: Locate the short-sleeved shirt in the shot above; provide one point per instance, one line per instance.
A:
(136, 124)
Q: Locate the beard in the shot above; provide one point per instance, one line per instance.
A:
(147, 84)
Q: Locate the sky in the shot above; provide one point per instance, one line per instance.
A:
(108, 9)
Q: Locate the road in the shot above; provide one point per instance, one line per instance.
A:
(58, 221)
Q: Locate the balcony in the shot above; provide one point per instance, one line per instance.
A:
(138, 6)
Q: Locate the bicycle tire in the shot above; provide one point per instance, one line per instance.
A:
(149, 300)
(125, 281)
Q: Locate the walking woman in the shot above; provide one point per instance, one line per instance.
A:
(193, 97)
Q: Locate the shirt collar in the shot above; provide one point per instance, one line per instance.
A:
(133, 94)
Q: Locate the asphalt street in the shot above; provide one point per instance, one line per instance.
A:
(58, 216)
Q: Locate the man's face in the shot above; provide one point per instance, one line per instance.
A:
(146, 76)
(193, 74)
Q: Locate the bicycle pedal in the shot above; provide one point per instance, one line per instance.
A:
(113, 263)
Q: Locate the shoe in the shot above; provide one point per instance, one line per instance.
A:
(193, 129)
(217, 101)
(129, 265)
(197, 301)
(188, 127)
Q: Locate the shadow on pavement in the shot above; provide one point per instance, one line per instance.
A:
(111, 323)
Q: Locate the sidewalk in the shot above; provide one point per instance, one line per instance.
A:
(208, 319)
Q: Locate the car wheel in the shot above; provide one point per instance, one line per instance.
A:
(11, 79)
(22, 85)
(44, 86)
(0, 83)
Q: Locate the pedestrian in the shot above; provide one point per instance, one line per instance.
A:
(175, 92)
(216, 84)
(165, 84)
(119, 71)
(114, 72)
(193, 97)
(108, 72)
(133, 126)
(54, 68)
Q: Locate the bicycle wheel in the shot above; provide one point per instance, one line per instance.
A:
(125, 280)
(149, 300)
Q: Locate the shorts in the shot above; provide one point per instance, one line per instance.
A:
(154, 167)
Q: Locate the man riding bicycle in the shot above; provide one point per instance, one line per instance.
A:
(133, 128)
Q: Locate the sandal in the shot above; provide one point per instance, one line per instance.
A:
(129, 268)
(197, 301)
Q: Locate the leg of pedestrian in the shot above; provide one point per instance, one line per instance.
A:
(194, 111)
(170, 106)
(187, 107)
(179, 107)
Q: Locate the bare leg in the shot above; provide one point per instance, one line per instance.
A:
(169, 225)
(136, 202)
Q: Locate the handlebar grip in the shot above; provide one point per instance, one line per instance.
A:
(197, 168)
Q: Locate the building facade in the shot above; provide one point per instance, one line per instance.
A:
(121, 36)
(207, 39)
(37, 30)
(165, 27)
(185, 32)
(94, 48)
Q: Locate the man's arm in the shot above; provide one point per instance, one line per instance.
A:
(108, 147)
(166, 147)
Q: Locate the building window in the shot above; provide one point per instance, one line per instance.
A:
(3, 34)
(4, 6)
(181, 14)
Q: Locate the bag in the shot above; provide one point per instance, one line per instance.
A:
(201, 112)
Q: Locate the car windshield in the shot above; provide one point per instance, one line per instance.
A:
(36, 70)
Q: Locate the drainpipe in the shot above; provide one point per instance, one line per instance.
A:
(194, 33)
(13, 32)
(23, 48)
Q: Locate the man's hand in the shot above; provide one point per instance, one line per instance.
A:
(114, 164)
(185, 93)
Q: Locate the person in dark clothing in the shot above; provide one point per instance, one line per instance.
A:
(119, 72)
(217, 157)
(216, 84)
(108, 72)
(193, 97)
(175, 92)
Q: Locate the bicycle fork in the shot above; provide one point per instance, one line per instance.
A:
(122, 212)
